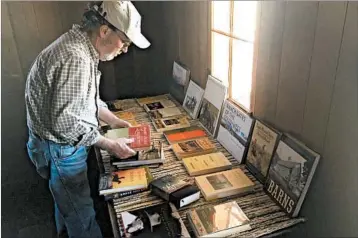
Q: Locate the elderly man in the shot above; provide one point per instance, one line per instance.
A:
(63, 108)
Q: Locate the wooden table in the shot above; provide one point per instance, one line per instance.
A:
(266, 217)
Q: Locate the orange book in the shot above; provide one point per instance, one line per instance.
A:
(184, 134)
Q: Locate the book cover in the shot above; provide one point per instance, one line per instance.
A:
(220, 220)
(237, 122)
(141, 135)
(142, 101)
(124, 180)
(170, 123)
(166, 185)
(231, 144)
(193, 98)
(208, 163)
(263, 142)
(223, 184)
(158, 105)
(193, 147)
(181, 73)
(214, 97)
(127, 116)
(290, 174)
(165, 112)
(154, 155)
(183, 134)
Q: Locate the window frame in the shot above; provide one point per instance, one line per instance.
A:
(231, 37)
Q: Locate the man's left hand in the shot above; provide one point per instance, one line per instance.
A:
(120, 124)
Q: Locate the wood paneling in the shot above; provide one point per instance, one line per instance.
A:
(298, 38)
(269, 59)
(10, 65)
(326, 48)
(340, 154)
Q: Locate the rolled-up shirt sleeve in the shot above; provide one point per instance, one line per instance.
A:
(68, 103)
(101, 103)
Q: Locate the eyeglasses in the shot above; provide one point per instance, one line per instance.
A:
(126, 41)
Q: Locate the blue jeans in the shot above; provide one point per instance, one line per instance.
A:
(66, 169)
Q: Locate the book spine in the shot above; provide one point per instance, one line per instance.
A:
(123, 194)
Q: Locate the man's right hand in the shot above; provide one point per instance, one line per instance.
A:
(117, 147)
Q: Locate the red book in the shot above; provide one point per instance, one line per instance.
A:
(141, 135)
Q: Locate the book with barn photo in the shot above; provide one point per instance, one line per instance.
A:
(290, 174)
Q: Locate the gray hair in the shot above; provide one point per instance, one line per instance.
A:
(92, 20)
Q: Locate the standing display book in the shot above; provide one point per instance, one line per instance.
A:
(224, 184)
(184, 134)
(193, 98)
(290, 174)
(220, 220)
(214, 97)
(193, 147)
(262, 146)
(181, 73)
(235, 130)
(141, 135)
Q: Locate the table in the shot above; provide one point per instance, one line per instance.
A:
(266, 217)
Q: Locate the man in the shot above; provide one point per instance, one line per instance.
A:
(63, 108)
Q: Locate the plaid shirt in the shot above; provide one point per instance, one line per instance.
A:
(61, 92)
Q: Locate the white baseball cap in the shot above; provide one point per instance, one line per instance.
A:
(125, 17)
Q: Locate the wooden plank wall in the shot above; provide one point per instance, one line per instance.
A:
(306, 84)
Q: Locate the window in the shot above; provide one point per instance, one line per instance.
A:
(233, 27)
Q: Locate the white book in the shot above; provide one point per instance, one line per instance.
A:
(181, 74)
(231, 144)
(193, 98)
(214, 97)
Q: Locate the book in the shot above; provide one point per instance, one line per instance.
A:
(193, 97)
(170, 123)
(123, 194)
(124, 180)
(144, 100)
(290, 174)
(154, 155)
(220, 220)
(181, 73)
(126, 116)
(184, 134)
(214, 97)
(263, 143)
(234, 130)
(204, 164)
(141, 135)
(224, 184)
(174, 189)
(158, 105)
(193, 147)
(164, 112)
